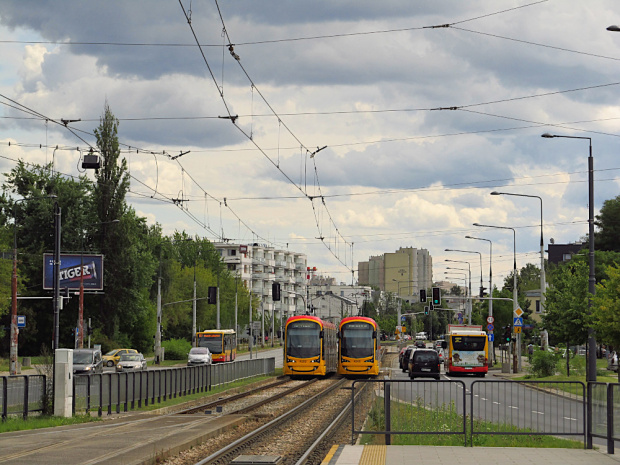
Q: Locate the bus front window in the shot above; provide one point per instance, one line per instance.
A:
(356, 340)
(303, 339)
(213, 342)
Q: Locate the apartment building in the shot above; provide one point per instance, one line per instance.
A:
(258, 266)
(403, 272)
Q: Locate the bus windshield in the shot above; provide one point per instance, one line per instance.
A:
(302, 339)
(469, 343)
(356, 340)
(213, 342)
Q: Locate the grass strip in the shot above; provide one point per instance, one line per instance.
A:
(445, 419)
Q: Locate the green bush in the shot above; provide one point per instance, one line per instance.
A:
(543, 364)
(176, 349)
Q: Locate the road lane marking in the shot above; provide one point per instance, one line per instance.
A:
(496, 403)
(569, 418)
(512, 406)
(539, 413)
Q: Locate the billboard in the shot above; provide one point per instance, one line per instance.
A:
(73, 268)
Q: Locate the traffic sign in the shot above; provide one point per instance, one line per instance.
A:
(403, 318)
(490, 327)
(491, 337)
(490, 319)
(517, 329)
(517, 321)
(518, 312)
(21, 321)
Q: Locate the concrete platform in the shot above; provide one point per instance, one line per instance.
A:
(135, 440)
(437, 455)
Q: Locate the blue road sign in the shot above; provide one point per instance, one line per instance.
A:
(518, 321)
(403, 318)
(21, 321)
(491, 337)
(490, 327)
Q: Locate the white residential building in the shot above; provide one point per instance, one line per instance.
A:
(259, 266)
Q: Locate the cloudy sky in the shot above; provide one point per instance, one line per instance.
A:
(338, 129)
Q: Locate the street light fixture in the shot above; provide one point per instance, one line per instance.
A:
(542, 246)
(591, 368)
(470, 251)
(515, 303)
(491, 350)
(469, 270)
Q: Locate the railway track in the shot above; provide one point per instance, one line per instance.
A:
(301, 434)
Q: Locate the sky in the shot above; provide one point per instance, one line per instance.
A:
(341, 130)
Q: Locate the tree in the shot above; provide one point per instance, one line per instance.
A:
(567, 317)
(608, 222)
(32, 218)
(129, 263)
(606, 308)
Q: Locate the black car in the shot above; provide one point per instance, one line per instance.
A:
(420, 344)
(424, 363)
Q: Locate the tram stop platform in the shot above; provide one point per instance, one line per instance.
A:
(455, 455)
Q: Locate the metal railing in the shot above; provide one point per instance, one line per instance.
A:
(124, 391)
(22, 394)
(604, 413)
(529, 408)
(422, 407)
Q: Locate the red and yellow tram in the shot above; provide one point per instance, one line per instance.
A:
(310, 347)
(357, 350)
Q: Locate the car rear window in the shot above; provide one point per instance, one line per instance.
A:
(424, 357)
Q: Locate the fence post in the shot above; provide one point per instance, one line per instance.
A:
(5, 400)
(26, 385)
(386, 408)
(610, 419)
(589, 417)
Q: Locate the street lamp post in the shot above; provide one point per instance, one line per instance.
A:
(542, 251)
(470, 300)
(515, 303)
(470, 251)
(491, 348)
(591, 369)
(14, 331)
(462, 276)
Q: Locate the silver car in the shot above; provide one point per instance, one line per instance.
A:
(199, 356)
(131, 362)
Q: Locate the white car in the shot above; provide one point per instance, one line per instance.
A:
(199, 356)
(131, 362)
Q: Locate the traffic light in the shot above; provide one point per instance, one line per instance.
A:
(89, 330)
(426, 310)
(212, 295)
(275, 291)
(507, 334)
(482, 289)
(436, 296)
(423, 295)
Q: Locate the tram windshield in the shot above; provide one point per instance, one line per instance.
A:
(356, 340)
(303, 339)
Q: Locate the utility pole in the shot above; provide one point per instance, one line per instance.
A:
(56, 301)
(158, 332)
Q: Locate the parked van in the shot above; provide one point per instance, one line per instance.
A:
(87, 361)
